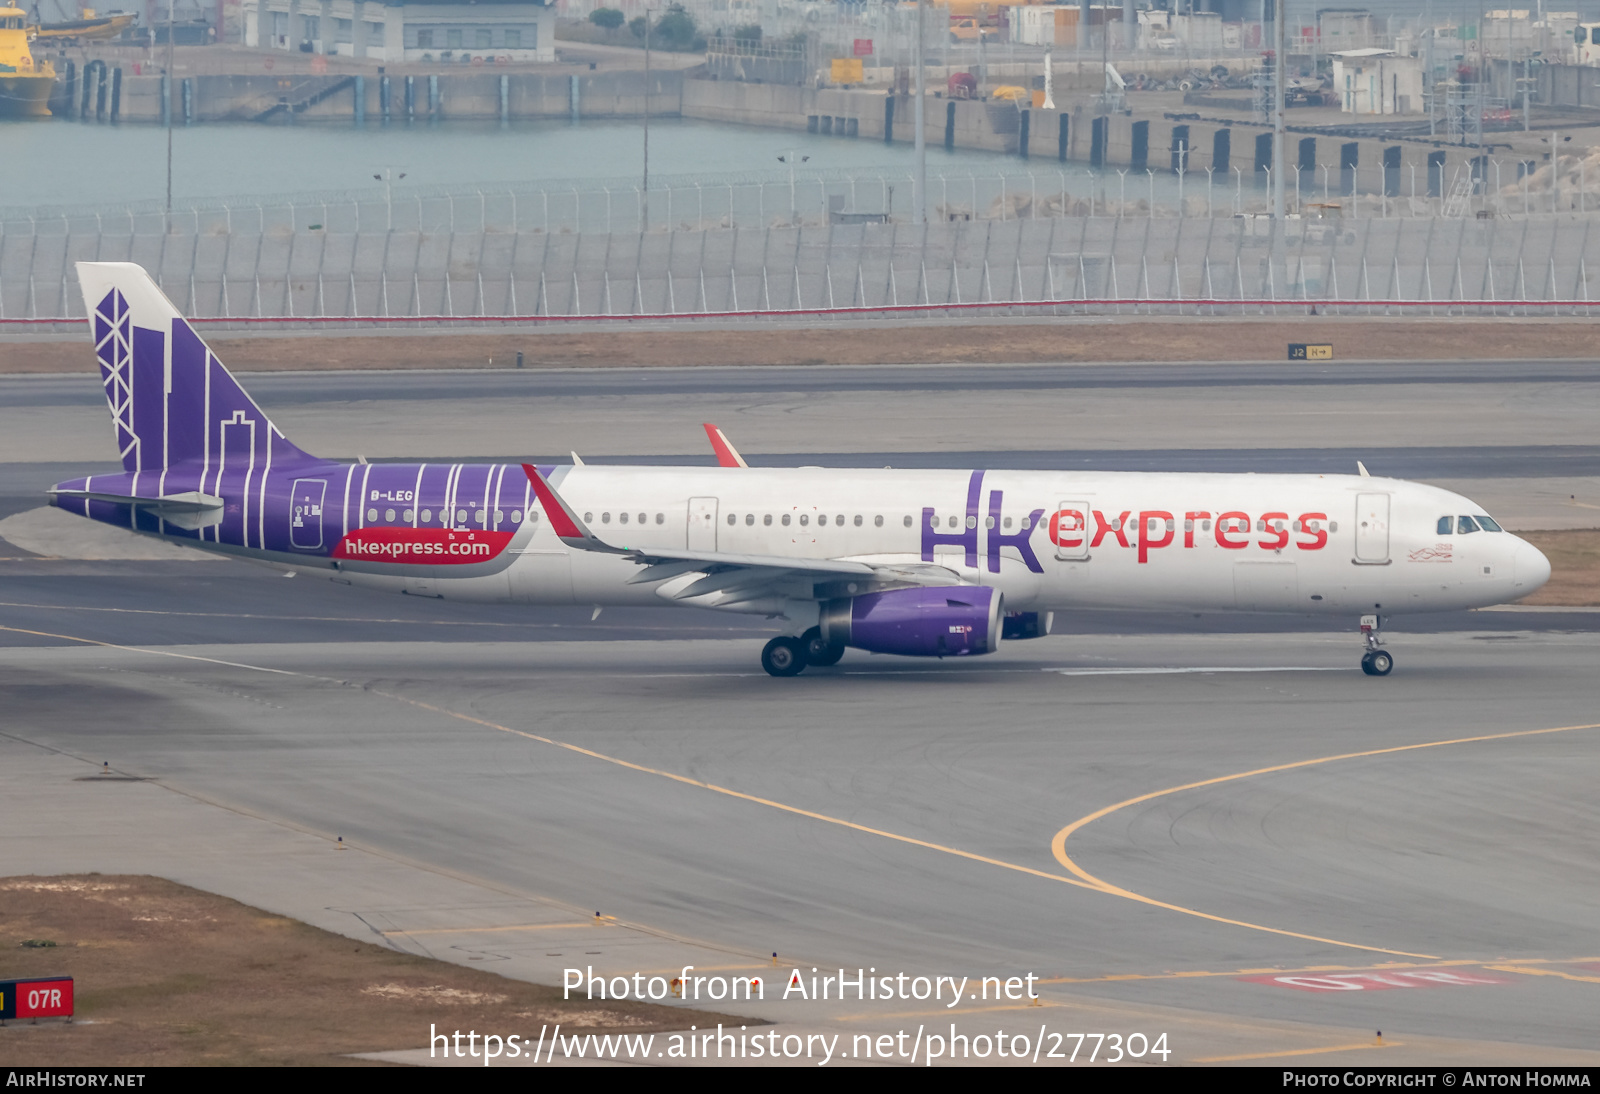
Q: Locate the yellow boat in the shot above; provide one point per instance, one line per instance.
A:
(24, 86)
(91, 28)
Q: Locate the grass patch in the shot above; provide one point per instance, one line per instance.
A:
(1574, 567)
(169, 975)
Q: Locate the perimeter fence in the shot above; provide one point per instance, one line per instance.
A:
(1533, 265)
(1493, 187)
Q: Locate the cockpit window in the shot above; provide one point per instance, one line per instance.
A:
(1464, 525)
(1488, 525)
(1447, 526)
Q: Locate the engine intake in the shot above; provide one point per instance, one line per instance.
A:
(948, 621)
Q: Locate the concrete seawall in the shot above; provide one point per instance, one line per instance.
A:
(1132, 141)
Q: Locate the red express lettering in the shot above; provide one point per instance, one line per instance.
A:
(1311, 524)
(1225, 524)
(1064, 522)
(426, 546)
(1147, 543)
(1115, 527)
(1269, 523)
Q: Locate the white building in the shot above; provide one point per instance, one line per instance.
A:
(1377, 81)
(450, 31)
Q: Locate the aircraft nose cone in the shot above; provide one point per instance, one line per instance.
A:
(1533, 569)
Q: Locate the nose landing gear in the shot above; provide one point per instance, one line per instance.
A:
(1376, 661)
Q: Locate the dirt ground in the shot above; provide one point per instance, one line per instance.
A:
(1155, 339)
(168, 975)
(1574, 567)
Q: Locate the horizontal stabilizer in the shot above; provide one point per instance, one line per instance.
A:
(190, 510)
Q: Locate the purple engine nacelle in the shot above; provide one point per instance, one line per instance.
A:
(953, 621)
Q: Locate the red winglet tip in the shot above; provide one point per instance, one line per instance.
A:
(719, 445)
(562, 524)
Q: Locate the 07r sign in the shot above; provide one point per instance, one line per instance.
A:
(47, 997)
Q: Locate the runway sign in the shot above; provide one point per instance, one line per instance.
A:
(1302, 351)
(47, 997)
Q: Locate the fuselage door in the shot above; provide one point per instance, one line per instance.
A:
(1069, 531)
(702, 524)
(305, 514)
(1372, 528)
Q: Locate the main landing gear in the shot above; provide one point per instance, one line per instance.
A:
(789, 656)
(1376, 661)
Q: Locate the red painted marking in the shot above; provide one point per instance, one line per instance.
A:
(426, 546)
(1386, 980)
(43, 998)
(719, 445)
(560, 518)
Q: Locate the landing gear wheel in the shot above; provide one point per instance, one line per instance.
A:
(818, 651)
(784, 656)
(1377, 663)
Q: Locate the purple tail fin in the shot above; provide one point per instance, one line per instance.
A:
(171, 400)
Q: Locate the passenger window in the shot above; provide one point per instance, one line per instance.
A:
(732, 518)
(839, 520)
(622, 518)
(858, 520)
(1465, 526)
(643, 518)
(1488, 525)
(499, 515)
(822, 519)
(1006, 523)
(516, 516)
(750, 518)
(388, 514)
(877, 522)
(427, 516)
(786, 520)
(767, 520)
(805, 519)
(605, 518)
(461, 516)
(372, 514)
(533, 516)
(1445, 524)
(908, 521)
(1027, 522)
(952, 522)
(407, 515)
(661, 518)
(988, 522)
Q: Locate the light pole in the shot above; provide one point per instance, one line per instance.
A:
(790, 158)
(644, 213)
(388, 196)
(171, 85)
(919, 185)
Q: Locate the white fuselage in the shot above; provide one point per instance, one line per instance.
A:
(1132, 541)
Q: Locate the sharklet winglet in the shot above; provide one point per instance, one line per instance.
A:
(727, 455)
(563, 521)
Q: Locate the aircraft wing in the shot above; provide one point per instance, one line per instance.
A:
(728, 573)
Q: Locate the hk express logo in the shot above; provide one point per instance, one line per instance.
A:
(1081, 529)
(430, 546)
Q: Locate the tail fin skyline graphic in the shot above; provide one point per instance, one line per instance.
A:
(172, 401)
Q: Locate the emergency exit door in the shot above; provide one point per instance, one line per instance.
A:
(702, 524)
(1372, 528)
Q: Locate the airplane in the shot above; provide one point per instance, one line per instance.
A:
(924, 563)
